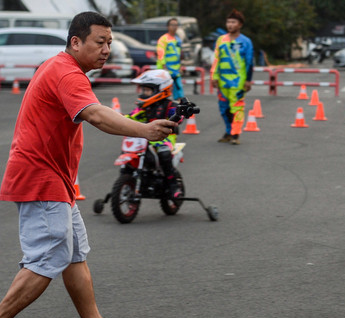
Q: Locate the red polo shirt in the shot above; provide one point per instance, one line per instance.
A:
(48, 139)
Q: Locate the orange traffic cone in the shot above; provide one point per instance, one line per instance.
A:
(314, 101)
(251, 122)
(116, 105)
(320, 114)
(303, 93)
(15, 87)
(257, 109)
(299, 121)
(191, 126)
(78, 195)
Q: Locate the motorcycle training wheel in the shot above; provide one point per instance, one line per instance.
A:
(123, 209)
(171, 206)
(98, 206)
(212, 212)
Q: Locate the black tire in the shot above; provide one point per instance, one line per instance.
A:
(212, 212)
(123, 209)
(98, 206)
(171, 206)
(310, 60)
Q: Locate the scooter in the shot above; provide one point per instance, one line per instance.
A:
(319, 51)
(141, 177)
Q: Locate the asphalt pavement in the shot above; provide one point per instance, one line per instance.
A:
(278, 249)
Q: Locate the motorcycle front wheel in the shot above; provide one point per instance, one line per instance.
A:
(171, 206)
(122, 205)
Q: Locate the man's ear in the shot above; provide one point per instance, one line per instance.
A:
(75, 43)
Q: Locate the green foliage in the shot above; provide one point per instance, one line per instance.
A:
(330, 10)
(144, 9)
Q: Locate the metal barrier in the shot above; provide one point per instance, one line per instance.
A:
(116, 79)
(306, 70)
(19, 79)
(200, 81)
(92, 79)
(270, 82)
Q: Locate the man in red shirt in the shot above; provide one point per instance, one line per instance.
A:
(43, 164)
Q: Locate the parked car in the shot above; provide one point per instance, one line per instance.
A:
(339, 58)
(141, 53)
(119, 55)
(188, 31)
(33, 46)
(10, 19)
(149, 34)
(28, 46)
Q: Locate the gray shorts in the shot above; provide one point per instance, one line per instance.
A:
(52, 236)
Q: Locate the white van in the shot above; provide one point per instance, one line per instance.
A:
(10, 19)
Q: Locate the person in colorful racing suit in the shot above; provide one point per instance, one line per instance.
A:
(169, 56)
(231, 73)
(154, 103)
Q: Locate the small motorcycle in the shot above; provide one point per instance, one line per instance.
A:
(318, 52)
(141, 177)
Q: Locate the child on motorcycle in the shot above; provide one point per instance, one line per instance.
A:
(154, 103)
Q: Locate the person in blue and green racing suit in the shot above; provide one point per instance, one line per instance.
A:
(169, 56)
(231, 74)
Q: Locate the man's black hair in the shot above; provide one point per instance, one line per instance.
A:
(171, 19)
(81, 25)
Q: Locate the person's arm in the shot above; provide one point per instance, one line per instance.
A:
(249, 65)
(161, 47)
(111, 122)
(215, 65)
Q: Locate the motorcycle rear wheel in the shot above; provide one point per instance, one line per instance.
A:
(124, 210)
(171, 206)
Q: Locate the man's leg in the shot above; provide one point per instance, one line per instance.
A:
(224, 109)
(237, 111)
(26, 287)
(78, 282)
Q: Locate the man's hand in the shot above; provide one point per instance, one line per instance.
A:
(247, 86)
(159, 129)
(215, 84)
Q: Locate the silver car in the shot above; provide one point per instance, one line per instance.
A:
(33, 46)
(339, 58)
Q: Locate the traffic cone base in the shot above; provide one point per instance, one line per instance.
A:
(299, 121)
(251, 122)
(303, 93)
(116, 105)
(78, 195)
(314, 101)
(320, 114)
(191, 126)
(257, 109)
(15, 87)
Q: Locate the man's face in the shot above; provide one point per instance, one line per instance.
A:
(94, 52)
(172, 27)
(233, 25)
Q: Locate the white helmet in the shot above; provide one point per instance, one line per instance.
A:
(159, 81)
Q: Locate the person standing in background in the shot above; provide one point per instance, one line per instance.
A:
(169, 56)
(231, 73)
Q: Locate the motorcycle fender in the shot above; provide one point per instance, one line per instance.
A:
(125, 158)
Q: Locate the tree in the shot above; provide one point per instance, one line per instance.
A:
(144, 9)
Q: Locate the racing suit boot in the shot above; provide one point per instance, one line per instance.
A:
(235, 139)
(165, 160)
